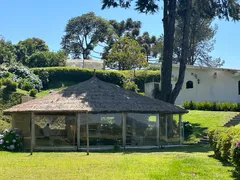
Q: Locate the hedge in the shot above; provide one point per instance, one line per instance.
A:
(211, 106)
(51, 75)
(226, 144)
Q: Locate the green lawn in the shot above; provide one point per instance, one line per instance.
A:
(209, 118)
(172, 164)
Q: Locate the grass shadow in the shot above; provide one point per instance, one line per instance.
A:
(235, 172)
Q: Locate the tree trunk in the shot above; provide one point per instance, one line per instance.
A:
(186, 15)
(169, 16)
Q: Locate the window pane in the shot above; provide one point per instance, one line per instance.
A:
(141, 129)
(104, 129)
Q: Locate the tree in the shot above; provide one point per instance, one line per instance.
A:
(47, 59)
(201, 41)
(150, 44)
(26, 48)
(127, 28)
(126, 54)
(6, 51)
(207, 8)
(83, 33)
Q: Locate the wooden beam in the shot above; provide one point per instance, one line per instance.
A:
(78, 130)
(158, 129)
(166, 127)
(87, 133)
(181, 129)
(32, 132)
(124, 129)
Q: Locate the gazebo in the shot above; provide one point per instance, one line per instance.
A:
(96, 114)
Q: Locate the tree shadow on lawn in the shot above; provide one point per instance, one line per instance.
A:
(235, 172)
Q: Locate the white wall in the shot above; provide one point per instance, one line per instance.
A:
(216, 88)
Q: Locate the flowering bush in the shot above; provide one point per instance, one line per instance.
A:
(21, 75)
(236, 154)
(11, 140)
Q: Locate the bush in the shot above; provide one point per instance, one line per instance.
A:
(11, 141)
(130, 85)
(10, 84)
(20, 73)
(27, 85)
(211, 106)
(188, 129)
(33, 93)
(226, 144)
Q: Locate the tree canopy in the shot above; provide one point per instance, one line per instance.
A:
(7, 51)
(126, 54)
(83, 33)
(29, 46)
(171, 8)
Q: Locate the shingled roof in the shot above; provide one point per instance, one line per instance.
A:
(95, 96)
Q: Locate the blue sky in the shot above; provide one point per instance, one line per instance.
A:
(46, 19)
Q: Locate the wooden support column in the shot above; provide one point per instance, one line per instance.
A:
(181, 129)
(166, 127)
(124, 129)
(13, 121)
(87, 134)
(78, 130)
(32, 132)
(158, 129)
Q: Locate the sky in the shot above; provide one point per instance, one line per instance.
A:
(46, 19)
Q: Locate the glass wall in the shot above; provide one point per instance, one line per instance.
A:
(104, 129)
(170, 130)
(141, 129)
(55, 130)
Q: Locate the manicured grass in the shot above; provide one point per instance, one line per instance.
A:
(209, 119)
(173, 164)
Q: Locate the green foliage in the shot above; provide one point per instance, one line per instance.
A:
(10, 84)
(52, 75)
(130, 85)
(76, 75)
(83, 33)
(26, 48)
(47, 59)
(7, 51)
(188, 129)
(26, 85)
(226, 143)
(11, 141)
(211, 106)
(21, 75)
(33, 92)
(126, 54)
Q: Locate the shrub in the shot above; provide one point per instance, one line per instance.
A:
(226, 144)
(10, 84)
(26, 85)
(11, 140)
(33, 92)
(211, 106)
(18, 73)
(50, 75)
(130, 85)
(188, 129)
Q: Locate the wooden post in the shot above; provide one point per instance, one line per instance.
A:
(124, 129)
(87, 134)
(166, 127)
(181, 132)
(78, 131)
(32, 132)
(13, 121)
(158, 129)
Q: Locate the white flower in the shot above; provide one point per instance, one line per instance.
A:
(6, 130)
(14, 140)
(11, 147)
(1, 136)
(7, 141)
(1, 141)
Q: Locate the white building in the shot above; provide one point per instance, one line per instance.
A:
(205, 84)
(86, 63)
